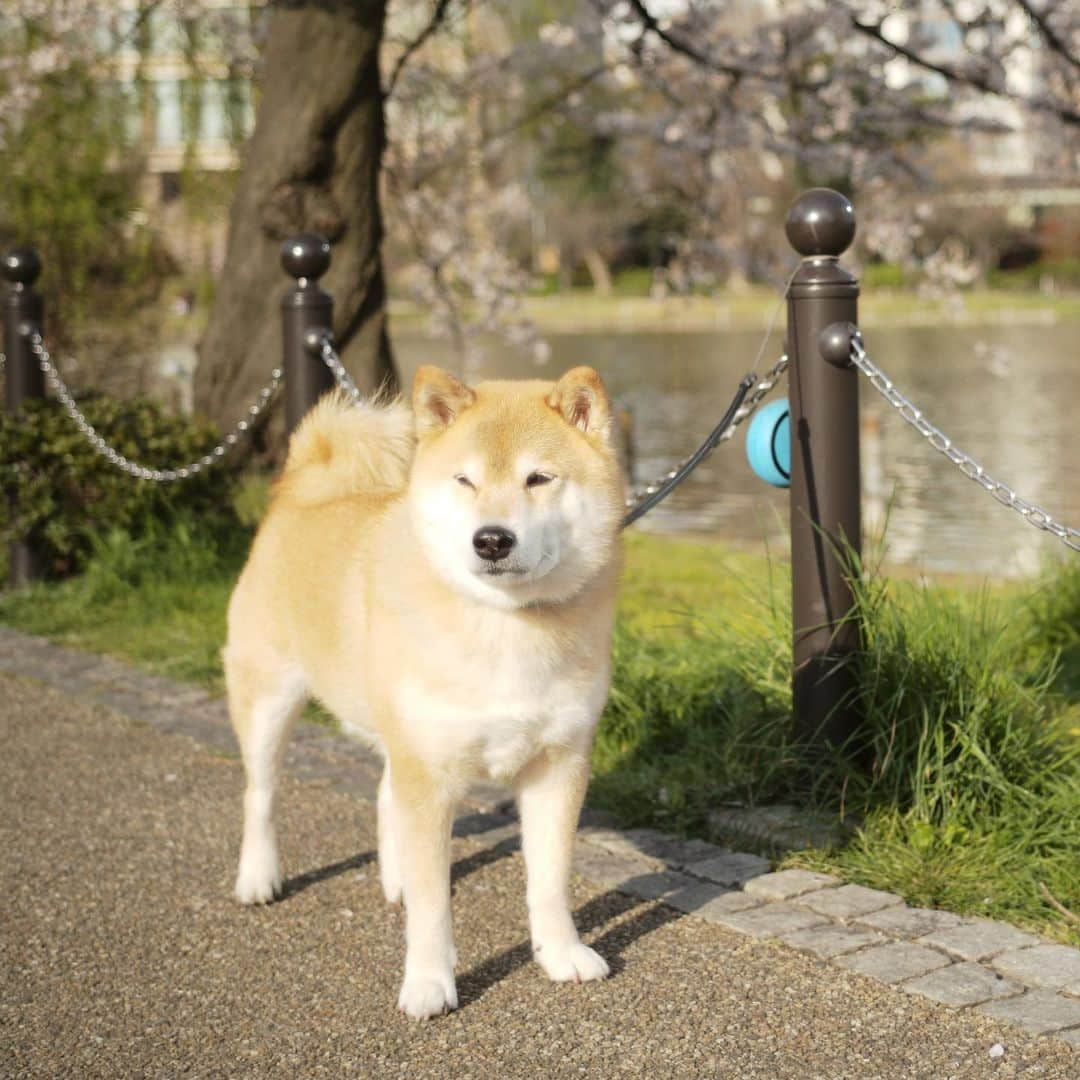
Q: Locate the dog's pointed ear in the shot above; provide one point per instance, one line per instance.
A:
(583, 402)
(438, 399)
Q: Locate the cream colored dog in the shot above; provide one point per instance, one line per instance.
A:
(443, 581)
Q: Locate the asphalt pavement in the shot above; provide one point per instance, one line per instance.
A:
(123, 954)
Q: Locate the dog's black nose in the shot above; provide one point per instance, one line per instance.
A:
(493, 542)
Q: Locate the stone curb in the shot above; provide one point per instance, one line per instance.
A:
(992, 967)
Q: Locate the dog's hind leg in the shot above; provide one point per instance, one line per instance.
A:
(389, 866)
(263, 705)
(550, 791)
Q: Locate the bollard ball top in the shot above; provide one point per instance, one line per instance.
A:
(820, 222)
(21, 266)
(306, 255)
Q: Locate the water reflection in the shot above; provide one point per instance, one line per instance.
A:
(1008, 396)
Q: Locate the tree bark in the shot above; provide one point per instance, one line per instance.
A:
(598, 271)
(312, 165)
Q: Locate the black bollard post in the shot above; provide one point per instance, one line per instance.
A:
(304, 307)
(23, 313)
(825, 520)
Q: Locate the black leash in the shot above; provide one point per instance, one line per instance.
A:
(692, 462)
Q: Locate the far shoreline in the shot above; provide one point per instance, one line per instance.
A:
(581, 311)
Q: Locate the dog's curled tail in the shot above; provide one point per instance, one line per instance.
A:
(343, 448)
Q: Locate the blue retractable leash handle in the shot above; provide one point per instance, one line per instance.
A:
(699, 455)
(768, 443)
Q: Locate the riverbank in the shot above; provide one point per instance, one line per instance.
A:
(581, 311)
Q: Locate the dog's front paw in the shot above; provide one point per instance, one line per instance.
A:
(259, 879)
(571, 963)
(424, 997)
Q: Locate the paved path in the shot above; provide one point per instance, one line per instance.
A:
(123, 954)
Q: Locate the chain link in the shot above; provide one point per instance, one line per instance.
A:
(1032, 514)
(761, 390)
(133, 468)
(325, 344)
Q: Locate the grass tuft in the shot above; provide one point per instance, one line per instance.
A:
(966, 786)
(972, 794)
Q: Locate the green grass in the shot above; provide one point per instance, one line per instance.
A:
(974, 795)
(968, 792)
(158, 601)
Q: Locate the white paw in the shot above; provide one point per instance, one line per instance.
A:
(259, 878)
(571, 963)
(422, 998)
(391, 880)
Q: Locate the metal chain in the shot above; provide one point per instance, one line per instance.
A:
(761, 390)
(1032, 514)
(325, 345)
(133, 468)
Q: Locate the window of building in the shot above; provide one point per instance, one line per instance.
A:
(215, 111)
(166, 34)
(168, 113)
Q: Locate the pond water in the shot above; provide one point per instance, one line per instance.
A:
(1008, 395)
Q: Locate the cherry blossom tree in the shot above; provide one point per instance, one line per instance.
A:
(708, 111)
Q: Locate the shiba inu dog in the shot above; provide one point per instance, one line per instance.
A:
(444, 581)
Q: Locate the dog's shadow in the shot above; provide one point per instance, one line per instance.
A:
(300, 882)
(592, 915)
(595, 913)
(469, 825)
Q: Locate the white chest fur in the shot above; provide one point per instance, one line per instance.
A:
(491, 702)
(496, 737)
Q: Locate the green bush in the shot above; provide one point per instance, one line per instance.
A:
(64, 497)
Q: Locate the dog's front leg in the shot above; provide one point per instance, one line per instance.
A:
(422, 814)
(550, 791)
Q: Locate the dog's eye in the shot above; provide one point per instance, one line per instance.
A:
(464, 481)
(537, 478)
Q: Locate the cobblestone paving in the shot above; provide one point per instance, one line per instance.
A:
(988, 967)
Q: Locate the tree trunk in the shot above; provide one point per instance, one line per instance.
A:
(598, 271)
(312, 165)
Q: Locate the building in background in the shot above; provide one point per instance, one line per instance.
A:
(1016, 171)
(184, 77)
